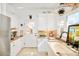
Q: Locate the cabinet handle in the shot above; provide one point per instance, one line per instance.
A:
(58, 53)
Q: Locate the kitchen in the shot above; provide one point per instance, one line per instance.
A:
(38, 29)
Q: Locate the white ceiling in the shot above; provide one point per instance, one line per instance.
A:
(23, 8)
(34, 5)
(37, 7)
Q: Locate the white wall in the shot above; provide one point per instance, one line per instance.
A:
(3, 8)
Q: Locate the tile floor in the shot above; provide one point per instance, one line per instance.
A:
(31, 52)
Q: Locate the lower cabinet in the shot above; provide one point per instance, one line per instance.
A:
(43, 45)
(26, 41)
(16, 46)
(50, 52)
(30, 41)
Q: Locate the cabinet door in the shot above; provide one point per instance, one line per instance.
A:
(51, 21)
(43, 45)
(13, 49)
(42, 22)
(22, 42)
(4, 35)
(30, 41)
(51, 53)
(19, 45)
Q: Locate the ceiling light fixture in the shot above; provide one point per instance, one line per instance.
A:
(61, 11)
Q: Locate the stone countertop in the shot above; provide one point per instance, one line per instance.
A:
(60, 48)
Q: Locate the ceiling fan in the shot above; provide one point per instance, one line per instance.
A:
(71, 5)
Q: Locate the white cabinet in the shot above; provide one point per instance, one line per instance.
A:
(52, 24)
(43, 45)
(13, 49)
(51, 52)
(26, 41)
(30, 41)
(47, 21)
(16, 46)
(42, 22)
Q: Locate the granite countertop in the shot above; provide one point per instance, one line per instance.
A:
(61, 48)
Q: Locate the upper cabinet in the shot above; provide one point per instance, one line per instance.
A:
(52, 21)
(46, 21)
(42, 22)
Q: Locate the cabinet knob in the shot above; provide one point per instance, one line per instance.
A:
(58, 53)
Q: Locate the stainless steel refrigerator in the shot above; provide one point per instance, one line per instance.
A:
(4, 35)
